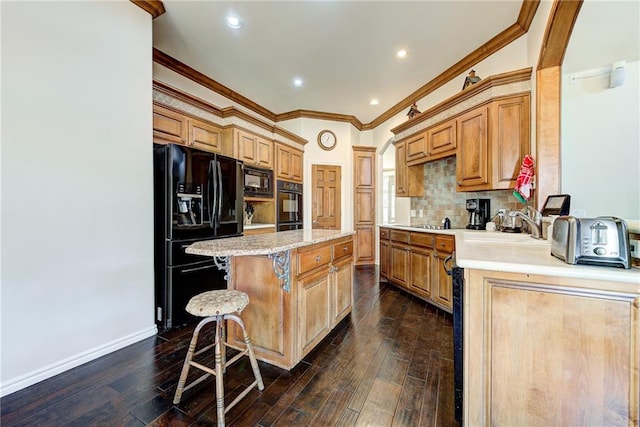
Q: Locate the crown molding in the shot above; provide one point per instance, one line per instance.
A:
(513, 32)
(468, 93)
(183, 69)
(310, 114)
(562, 19)
(154, 7)
(223, 113)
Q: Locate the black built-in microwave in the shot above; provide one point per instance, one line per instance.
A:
(258, 182)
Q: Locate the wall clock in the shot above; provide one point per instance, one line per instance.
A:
(327, 140)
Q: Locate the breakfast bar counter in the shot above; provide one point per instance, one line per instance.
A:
(299, 283)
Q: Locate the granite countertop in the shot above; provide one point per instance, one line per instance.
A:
(520, 253)
(264, 244)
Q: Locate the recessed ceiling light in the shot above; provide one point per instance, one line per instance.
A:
(374, 102)
(297, 82)
(234, 22)
(402, 53)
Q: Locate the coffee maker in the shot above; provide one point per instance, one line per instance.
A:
(478, 213)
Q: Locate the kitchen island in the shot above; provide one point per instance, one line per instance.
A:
(300, 285)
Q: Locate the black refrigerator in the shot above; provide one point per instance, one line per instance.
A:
(197, 196)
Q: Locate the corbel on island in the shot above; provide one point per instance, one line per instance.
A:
(300, 285)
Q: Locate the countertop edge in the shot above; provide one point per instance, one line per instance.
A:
(264, 244)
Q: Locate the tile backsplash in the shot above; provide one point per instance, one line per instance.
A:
(441, 200)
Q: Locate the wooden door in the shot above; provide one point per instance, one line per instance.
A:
(314, 311)
(401, 170)
(326, 210)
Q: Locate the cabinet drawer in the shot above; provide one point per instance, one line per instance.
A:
(400, 236)
(313, 258)
(422, 239)
(384, 233)
(444, 243)
(343, 249)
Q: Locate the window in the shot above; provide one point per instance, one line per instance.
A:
(388, 196)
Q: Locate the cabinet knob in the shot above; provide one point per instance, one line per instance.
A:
(442, 244)
(318, 258)
(345, 248)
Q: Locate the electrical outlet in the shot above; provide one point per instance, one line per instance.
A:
(579, 213)
(502, 212)
(420, 213)
(635, 248)
(412, 212)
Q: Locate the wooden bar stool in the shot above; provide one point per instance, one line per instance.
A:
(218, 306)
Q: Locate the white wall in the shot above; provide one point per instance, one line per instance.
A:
(77, 214)
(601, 145)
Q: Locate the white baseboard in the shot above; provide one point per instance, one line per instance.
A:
(24, 381)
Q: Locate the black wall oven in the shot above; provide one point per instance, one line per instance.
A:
(289, 206)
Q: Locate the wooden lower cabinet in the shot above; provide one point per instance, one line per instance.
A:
(417, 262)
(341, 283)
(385, 252)
(421, 271)
(313, 303)
(550, 351)
(399, 265)
(285, 326)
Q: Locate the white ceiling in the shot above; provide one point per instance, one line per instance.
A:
(344, 50)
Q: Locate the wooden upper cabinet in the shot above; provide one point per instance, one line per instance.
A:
(511, 139)
(364, 167)
(409, 179)
(441, 140)
(472, 164)
(205, 136)
(169, 126)
(288, 163)
(492, 140)
(253, 150)
(416, 149)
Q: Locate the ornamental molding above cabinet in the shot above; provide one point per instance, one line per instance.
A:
(175, 99)
(496, 86)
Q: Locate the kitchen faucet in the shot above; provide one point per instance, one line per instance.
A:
(533, 220)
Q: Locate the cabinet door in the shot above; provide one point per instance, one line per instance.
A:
(385, 253)
(169, 126)
(443, 292)
(472, 166)
(205, 136)
(341, 291)
(314, 314)
(416, 147)
(401, 170)
(441, 140)
(246, 147)
(296, 165)
(399, 264)
(264, 153)
(510, 130)
(572, 351)
(365, 244)
(421, 271)
(364, 168)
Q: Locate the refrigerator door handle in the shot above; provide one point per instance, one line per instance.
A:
(219, 195)
(213, 198)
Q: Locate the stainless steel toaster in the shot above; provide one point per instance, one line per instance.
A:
(595, 241)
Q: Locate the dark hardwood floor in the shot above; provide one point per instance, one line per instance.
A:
(390, 363)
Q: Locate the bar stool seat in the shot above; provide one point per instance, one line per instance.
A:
(218, 306)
